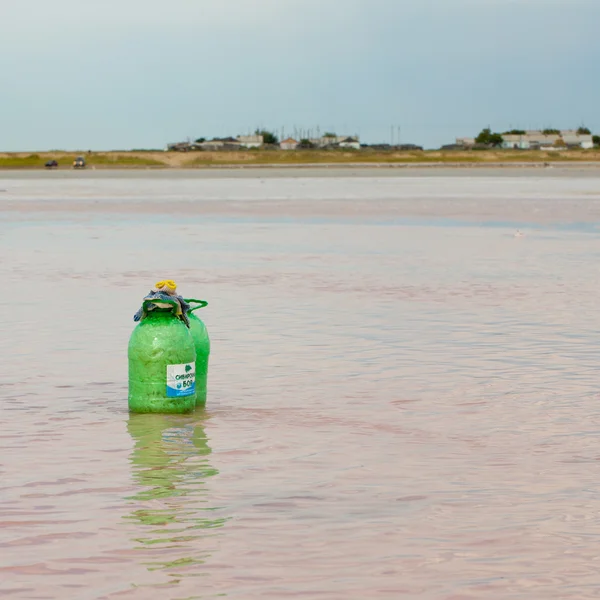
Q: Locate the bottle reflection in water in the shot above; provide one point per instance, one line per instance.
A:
(173, 509)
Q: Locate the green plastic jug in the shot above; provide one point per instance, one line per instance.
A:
(162, 365)
(202, 345)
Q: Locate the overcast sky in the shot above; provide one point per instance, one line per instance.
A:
(111, 74)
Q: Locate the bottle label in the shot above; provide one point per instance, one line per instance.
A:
(181, 380)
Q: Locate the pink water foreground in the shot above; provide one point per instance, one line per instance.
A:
(397, 408)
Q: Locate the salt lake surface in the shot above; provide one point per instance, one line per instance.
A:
(403, 396)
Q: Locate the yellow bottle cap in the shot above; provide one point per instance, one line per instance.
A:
(168, 283)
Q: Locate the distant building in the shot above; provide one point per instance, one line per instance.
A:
(250, 141)
(533, 140)
(330, 140)
(576, 140)
(516, 142)
(465, 142)
(335, 141)
(350, 142)
(227, 143)
(395, 147)
(179, 147)
(289, 144)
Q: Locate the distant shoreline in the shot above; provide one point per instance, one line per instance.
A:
(302, 159)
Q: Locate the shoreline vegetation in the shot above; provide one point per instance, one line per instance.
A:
(156, 159)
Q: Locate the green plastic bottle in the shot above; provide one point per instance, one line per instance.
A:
(162, 365)
(202, 344)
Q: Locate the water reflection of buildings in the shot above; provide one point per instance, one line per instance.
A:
(170, 462)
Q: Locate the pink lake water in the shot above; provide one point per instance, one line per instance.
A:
(403, 396)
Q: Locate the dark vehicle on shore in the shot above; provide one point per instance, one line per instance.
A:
(51, 164)
(79, 163)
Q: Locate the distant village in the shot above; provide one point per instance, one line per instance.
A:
(269, 140)
(545, 139)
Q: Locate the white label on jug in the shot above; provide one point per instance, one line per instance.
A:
(181, 380)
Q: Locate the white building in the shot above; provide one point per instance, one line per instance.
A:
(250, 141)
(350, 142)
(516, 141)
(288, 144)
(538, 139)
(572, 138)
(335, 140)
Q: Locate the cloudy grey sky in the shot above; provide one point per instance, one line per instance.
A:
(105, 74)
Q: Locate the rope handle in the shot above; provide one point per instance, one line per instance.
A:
(200, 303)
